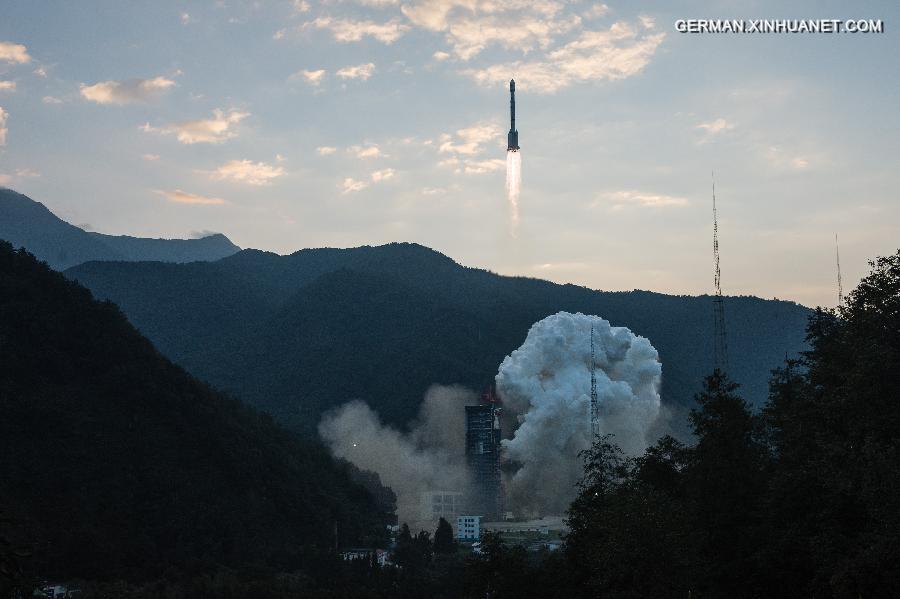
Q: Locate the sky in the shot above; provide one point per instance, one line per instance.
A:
(300, 123)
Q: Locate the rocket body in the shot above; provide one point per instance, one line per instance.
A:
(512, 138)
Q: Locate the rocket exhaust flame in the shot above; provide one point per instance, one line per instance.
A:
(513, 187)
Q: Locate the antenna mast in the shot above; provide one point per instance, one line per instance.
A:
(595, 407)
(720, 340)
(837, 257)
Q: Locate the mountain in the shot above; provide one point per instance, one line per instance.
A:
(115, 463)
(296, 335)
(29, 224)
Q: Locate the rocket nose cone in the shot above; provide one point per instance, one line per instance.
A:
(512, 85)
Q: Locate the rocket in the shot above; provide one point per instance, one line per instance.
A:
(512, 138)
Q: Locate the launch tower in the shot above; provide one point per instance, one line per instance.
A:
(483, 457)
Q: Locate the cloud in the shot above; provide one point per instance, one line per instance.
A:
(469, 37)
(7, 86)
(150, 157)
(596, 11)
(51, 100)
(716, 126)
(185, 18)
(470, 140)
(14, 53)
(360, 71)
(616, 53)
(126, 92)
(301, 6)
(326, 150)
(40, 72)
(619, 200)
(472, 25)
(347, 30)
(4, 117)
(216, 130)
(313, 78)
(245, 171)
(370, 151)
(799, 163)
(183, 197)
(473, 167)
(478, 167)
(351, 185)
(383, 175)
(441, 55)
(21, 173)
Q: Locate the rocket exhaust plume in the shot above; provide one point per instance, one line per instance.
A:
(513, 186)
(513, 163)
(430, 457)
(548, 382)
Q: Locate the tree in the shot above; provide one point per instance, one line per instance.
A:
(726, 482)
(443, 538)
(832, 421)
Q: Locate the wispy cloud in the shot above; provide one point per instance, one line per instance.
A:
(216, 130)
(470, 140)
(150, 157)
(4, 117)
(7, 86)
(313, 78)
(351, 185)
(382, 175)
(246, 171)
(716, 126)
(470, 26)
(618, 200)
(348, 30)
(51, 100)
(370, 151)
(619, 52)
(126, 92)
(360, 71)
(326, 150)
(14, 53)
(183, 197)
(21, 173)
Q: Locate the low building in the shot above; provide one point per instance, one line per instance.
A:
(468, 528)
(378, 556)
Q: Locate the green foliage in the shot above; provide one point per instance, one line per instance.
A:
(443, 537)
(118, 464)
(288, 334)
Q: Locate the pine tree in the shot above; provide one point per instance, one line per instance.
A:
(443, 537)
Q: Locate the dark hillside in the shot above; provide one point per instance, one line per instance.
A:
(117, 463)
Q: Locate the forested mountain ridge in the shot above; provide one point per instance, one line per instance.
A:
(297, 334)
(29, 224)
(115, 463)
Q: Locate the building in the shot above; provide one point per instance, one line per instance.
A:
(483, 457)
(441, 504)
(468, 528)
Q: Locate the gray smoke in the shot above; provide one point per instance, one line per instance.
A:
(546, 382)
(431, 457)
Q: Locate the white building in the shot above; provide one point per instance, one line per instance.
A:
(468, 528)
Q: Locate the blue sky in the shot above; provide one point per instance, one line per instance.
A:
(347, 122)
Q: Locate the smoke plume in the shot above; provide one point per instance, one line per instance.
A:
(547, 383)
(513, 187)
(431, 457)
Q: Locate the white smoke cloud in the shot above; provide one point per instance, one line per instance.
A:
(547, 383)
(431, 457)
